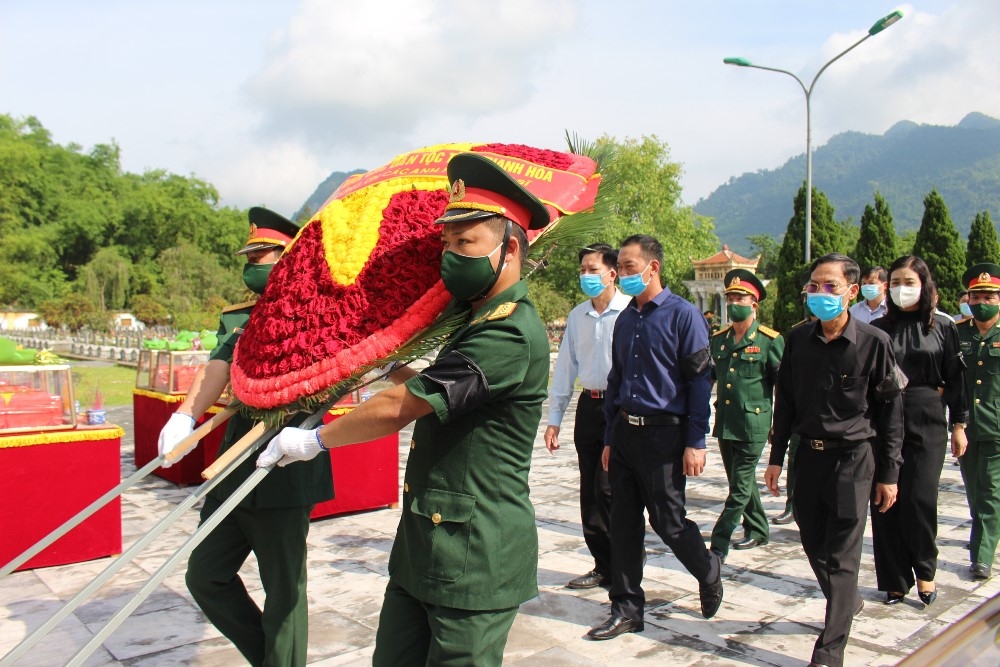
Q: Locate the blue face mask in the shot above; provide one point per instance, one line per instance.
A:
(634, 285)
(870, 292)
(593, 284)
(825, 306)
(965, 309)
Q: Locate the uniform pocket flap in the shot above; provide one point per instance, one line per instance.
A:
(443, 506)
(757, 407)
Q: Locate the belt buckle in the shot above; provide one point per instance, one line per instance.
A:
(817, 445)
(596, 393)
(634, 420)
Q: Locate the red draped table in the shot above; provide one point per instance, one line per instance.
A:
(46, 478)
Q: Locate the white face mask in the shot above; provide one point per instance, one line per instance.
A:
(905, 296)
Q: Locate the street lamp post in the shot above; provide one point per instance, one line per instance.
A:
(876, 28)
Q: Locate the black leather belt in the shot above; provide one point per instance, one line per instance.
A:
(826, 445)
(652, 420)
(594, 393)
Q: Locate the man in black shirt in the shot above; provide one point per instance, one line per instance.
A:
(839, 390)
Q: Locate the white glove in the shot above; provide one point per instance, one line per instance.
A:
(292, 444)
(178, 427)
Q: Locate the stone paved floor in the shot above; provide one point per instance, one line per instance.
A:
(772, 611)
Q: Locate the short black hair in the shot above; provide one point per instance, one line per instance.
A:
(850, 268)
(883, 275)
(651, 248)
(609, 256)
(498, 225)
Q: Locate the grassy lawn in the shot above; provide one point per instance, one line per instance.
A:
(115, 383)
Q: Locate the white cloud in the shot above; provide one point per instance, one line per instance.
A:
(368, 73)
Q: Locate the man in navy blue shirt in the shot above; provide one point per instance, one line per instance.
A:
(657, 408)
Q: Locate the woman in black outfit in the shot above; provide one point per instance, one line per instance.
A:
(926, 348)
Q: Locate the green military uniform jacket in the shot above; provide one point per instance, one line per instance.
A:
(467, 536)
(982, 379)
(745, 373)
(296, 485)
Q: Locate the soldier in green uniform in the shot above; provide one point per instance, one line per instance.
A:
(747, 355)
(273, 521)
(466, 550)
(979, 341)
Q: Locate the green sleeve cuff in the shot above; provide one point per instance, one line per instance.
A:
(431, 392)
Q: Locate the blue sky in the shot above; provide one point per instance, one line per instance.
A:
(264, 98)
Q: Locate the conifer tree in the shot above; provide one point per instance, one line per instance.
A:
(877, 243)
(791, 271)
(983, 244)
(938, 244)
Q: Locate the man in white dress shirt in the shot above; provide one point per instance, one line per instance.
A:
(874, 282)
(585, 353)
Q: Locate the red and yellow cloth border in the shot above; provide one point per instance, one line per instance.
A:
(56, 437)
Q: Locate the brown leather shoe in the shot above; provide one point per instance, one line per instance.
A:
(614, 626)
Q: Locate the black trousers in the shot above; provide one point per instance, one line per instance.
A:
(831, 506)
(646, 471)
(595, 490)
(905, 537)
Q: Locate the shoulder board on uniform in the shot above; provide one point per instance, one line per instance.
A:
(239, 306)
(768, 331)
(723, 331)
(501, 312)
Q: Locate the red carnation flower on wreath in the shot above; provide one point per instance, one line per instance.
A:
(363, 276)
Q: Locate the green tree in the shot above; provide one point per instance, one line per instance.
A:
(72, 312)
(191, 277)
(938, 244)
(148, 310)
(877, 243)
(791, 270)
(983, 244)
(643, 187)
(106, 279)
(766, 247)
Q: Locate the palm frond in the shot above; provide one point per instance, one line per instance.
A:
(601, 153)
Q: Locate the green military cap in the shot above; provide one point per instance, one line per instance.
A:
(481, 189)
(268, 230)
(742, 281)
(983, 277)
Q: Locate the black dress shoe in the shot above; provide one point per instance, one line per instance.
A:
(592, 579)
(927, 597)
(816, 664)
(711, 594)
(980, 571)
(784, 518)
(748, 543)
(614, 626)
(894, 598)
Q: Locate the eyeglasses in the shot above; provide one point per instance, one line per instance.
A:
(825, 288)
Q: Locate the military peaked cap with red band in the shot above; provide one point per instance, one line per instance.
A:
(268, 230)
(982, 278)
(742, 281)
(480, 189)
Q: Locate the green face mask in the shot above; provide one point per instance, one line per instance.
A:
(738, 312)
(984, 312)
(255, 276)
(469, 278)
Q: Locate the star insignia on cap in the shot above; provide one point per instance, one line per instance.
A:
(736, 281)
(457, 190)
(984, 277)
